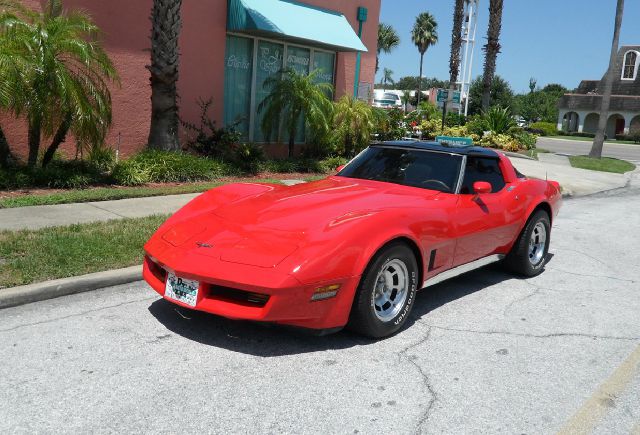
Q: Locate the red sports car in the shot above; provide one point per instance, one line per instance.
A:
(353, 249)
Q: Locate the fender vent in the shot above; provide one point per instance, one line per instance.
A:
(432, 260)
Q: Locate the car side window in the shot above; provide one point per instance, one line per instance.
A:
(482, 169)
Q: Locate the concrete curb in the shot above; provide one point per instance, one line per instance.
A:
(27, 294)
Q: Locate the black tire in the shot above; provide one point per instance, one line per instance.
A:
(519, 260)
(364, 318)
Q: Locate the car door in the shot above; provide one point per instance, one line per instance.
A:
(484, 223)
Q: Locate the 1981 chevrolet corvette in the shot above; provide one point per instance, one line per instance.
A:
(353, 249)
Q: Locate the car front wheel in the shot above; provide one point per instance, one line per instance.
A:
(386, 293)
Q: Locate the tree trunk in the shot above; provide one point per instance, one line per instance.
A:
(420, 80)
(34, 141)
(491, 49)
(5, 152)
(598, 142)
(456, 44)
(166, 22)
(292, 143)
(58, 139)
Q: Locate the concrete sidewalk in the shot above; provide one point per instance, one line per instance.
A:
(574, 182)
(41, 216)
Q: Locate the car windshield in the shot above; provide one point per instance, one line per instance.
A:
(409, 167)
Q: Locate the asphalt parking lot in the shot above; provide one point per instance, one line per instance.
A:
(486, 352)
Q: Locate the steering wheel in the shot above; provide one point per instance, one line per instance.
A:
(437, 182)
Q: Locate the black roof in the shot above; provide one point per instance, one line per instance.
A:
(442, 147)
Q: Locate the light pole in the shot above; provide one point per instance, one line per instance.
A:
(469, 27)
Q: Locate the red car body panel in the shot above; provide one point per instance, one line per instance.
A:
(286, 242)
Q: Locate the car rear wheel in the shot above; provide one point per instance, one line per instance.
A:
(386, 292)
(529, 254)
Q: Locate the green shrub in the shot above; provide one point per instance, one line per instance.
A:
(546, 128)
(633, 136)
(303, 165)
(102, 158)
(582, 134)
(130, 173)
(389, 124)
(476, 125)
(248, 157)
(526, 141)
(59, 174)
(330, 164)
(498, 120)
(208, 140)
(167, 166)
(454, 119)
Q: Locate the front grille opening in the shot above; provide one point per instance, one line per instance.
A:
(238, 296)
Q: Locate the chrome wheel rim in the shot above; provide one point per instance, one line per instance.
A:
(537, 243)
(391, 290)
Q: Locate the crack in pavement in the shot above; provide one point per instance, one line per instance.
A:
(425, 377)
(43, 322)
(108, 211)
(597, 260)
(541, 336)
(594, 276)
(536, 290)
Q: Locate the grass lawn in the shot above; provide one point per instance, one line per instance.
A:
(112, 193)
(590, 139)
(604, 164)
(39, 255)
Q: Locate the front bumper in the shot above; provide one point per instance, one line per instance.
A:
(259, 296)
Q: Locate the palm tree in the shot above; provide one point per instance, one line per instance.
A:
(456, 44)
(59, 78)
(387, 77)
(12, 64)
(388, 39)
(353, 124)
(424, 35)
(598, 141)
(491, 49)
(166, 20)
(292, 96)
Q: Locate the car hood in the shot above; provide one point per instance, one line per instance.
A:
(264, 228)
(304, 207)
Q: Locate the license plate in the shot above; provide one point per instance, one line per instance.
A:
(182, 289)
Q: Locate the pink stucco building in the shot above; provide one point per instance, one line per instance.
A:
(226, 57)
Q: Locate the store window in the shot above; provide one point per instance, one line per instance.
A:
(298, 59)
(244, 87)
(238, 72)
(270, 57)
(325, 63)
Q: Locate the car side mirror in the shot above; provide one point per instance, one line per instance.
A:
(481, 187)
(340, 168)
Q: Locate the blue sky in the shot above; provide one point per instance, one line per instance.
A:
(555, 41)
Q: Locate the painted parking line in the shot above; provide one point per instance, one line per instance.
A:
(595, 408)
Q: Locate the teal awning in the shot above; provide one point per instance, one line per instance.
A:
(289, 20)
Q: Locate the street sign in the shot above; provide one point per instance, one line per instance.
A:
(455, 141)
(443, 95)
